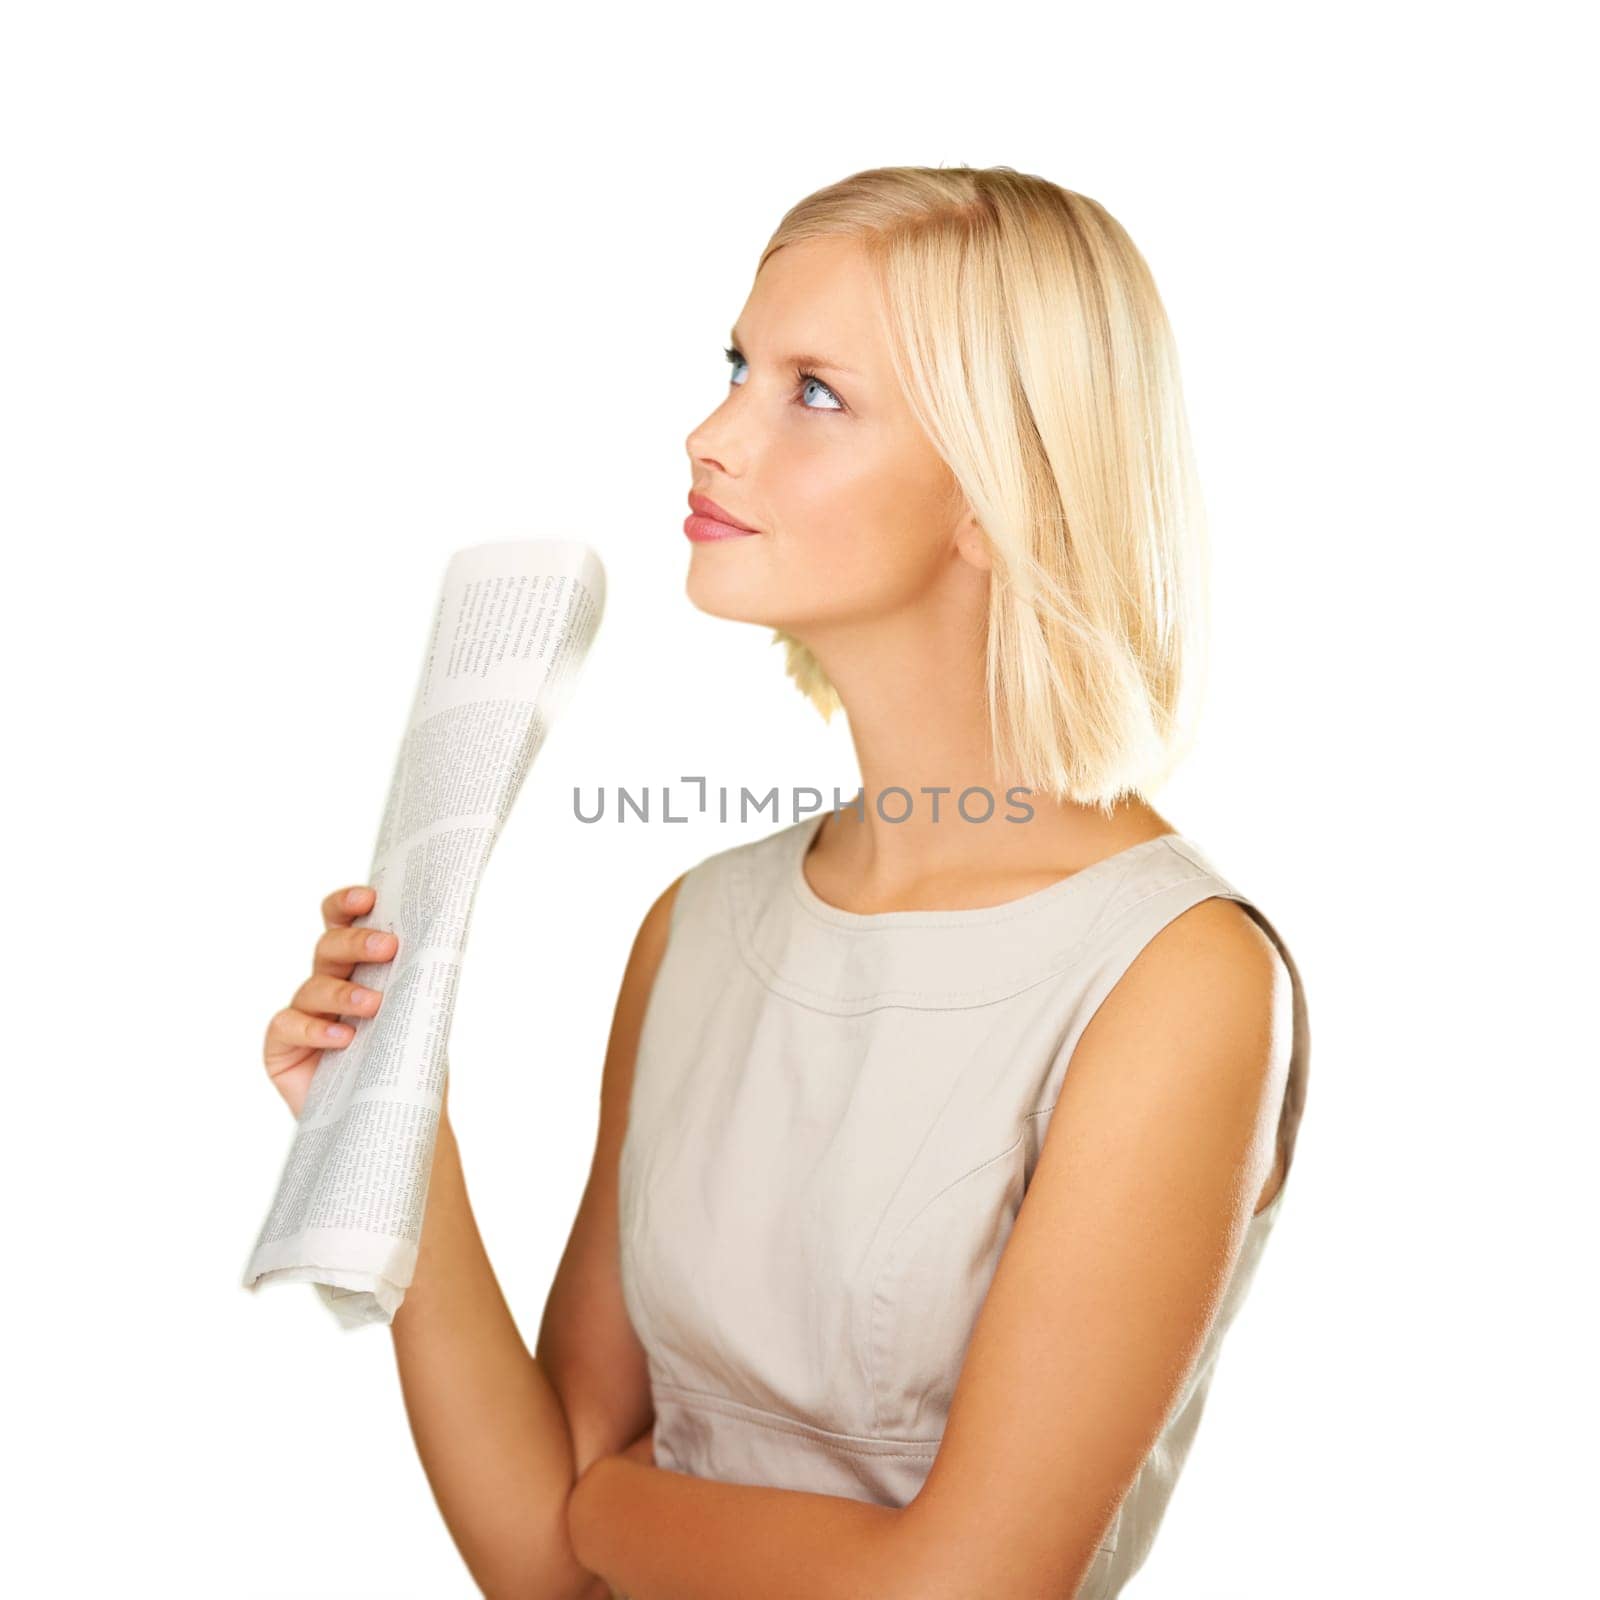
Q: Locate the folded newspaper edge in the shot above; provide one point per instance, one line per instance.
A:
(511, 629)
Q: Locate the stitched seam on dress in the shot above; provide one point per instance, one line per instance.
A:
(894, 1244)
(939, 999)
(884, 999)
(975, 916)
(936, 999)
(864, 1445)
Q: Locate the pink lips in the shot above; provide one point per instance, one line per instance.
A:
(708, 521)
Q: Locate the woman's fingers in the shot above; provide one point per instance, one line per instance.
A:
(292, 1029)
(344, 905)
(313, 1020)
(340, 949)
(328, 996)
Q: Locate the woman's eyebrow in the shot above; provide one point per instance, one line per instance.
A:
(799, 361)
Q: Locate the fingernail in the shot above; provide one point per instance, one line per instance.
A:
(360, 996)
(337, 1030)
(352, 898)
(375, 942)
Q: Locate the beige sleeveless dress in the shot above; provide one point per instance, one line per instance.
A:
(834, 1119)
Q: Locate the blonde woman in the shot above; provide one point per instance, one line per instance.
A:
(941, 1131)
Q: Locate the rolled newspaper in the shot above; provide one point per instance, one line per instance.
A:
(511, 629)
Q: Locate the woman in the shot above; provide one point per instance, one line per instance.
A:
(869, 1293)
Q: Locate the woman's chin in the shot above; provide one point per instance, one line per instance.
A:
(723, 595)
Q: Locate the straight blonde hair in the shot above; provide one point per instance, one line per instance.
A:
(1033, 349)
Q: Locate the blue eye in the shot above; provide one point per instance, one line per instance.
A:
(808, 378)
(803, 378)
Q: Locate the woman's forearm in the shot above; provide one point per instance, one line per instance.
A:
(487, 1422)
(662, 1535)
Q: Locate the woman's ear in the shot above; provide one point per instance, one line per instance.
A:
(971, 545)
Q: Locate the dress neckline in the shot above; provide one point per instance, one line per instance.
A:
(805, 835)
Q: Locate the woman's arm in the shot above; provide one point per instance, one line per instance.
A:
(503, 1434)
(1160, 1144)
(488, 1424)
(654, 1533)
(643, 1449)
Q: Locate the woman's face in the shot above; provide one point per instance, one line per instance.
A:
(857, 515)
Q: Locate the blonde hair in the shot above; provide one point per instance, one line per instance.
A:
(1033, 349)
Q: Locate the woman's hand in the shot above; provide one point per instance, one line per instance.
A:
(310, 1023)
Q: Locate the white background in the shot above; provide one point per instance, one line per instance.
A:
(299, 299)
